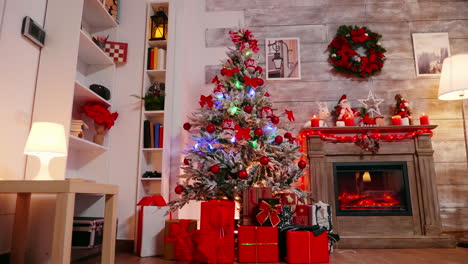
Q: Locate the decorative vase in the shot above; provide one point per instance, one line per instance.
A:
(100, 132)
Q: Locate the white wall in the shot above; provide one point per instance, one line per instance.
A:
(18, 67)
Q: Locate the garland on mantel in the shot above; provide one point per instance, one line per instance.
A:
(366, 140)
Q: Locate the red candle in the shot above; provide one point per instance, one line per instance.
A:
(424, 120)
(396, 120)
(349, 121)
(314, 121)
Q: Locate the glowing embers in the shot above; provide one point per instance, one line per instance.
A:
(369, 201)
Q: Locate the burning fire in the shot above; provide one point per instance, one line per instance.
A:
(351, 201)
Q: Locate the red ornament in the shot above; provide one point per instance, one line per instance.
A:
(215, 169)
(210, 128)
(278, 140)
(258, 132)
(275, 120)
(302, 164)
(259, 69)
(266, 112)
(260, 82)
(187, 126)
(267, 94)
(179, 189)
(264, 160)
(242, 174)
(248, 109)
(287, 135)
(187, 161)
(228, 124)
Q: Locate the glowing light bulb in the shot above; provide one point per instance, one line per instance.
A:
(254, 143)
(237, 84)
(366, 177)
(248, 52)
(233, 110)
(251, 92)
(233, 140)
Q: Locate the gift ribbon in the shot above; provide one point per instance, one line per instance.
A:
(256, 244)
(179, 234)
(268, 211)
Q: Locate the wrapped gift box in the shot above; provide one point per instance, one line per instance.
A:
(151, 217)
(258, 244)
(287, 198)
(215, 240)
(178, 239)
(320, 214)
(250, 203)
(286, 216)
(268, 213)
(302, 214)
(305, 247)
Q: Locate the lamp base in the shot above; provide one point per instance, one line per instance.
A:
(43, 174)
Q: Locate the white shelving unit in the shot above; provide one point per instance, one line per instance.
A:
(83, 145)
(90, 53)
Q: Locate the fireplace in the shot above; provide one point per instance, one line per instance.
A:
(371, 189)
(381, 199)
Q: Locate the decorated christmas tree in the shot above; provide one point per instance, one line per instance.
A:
(239, 139)
(402, 108)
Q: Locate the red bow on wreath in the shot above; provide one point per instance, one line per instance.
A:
(268, 211)
(208, 100)
(254, 82)
(242, 133)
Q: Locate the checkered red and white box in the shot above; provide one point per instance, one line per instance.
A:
(117, 51)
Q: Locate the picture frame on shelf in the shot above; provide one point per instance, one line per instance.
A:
(430, 50)
(113, 7)
(283, 58)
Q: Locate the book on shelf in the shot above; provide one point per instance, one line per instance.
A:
(156, 134)
(146, 134)
(161, 136)
(152, 134)
(156, 58)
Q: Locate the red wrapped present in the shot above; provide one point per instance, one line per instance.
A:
(258, 244)
(302, 214)
(287, 198)
(250, 203)
(268, 212)
(178, 239)
(304, 247)
(215, 241)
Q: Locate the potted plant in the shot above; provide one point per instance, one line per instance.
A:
(154, 97)
(103, 119)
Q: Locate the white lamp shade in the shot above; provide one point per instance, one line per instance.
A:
(454, 78)
(46, 139)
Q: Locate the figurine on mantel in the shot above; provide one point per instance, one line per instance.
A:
(402, 109)
(344, 113)
(323, 115)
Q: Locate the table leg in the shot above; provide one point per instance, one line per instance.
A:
(63, 227)
(20, 228)
(110, 226)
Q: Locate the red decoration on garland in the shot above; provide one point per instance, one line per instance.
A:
(267, 94)
(258, 132)
(210, 128)
(287, 135)
(215, 169)
(278, 140)
(275, 120)
(179, 189)
(266, 112)
(187, 161)
(290, 115)
(344, 57)
(228, 124)
(229, 72)
(264, 160)
(242, 38)
(206, 100)
(301, 164)
(254, 82)
(242, 174)
(248, 109)
(187, 126)
(215, 80)
(242, 133)
(259, 69)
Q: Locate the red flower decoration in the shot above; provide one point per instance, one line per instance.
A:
(206, 100)
(242, 133)
(254, 82)
(99, 114)
(229, 72)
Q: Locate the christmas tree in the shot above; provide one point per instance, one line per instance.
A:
(402, 108)
(239, 140)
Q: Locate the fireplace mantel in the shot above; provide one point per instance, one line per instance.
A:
(423, 227)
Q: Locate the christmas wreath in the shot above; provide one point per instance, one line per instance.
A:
(356, 50)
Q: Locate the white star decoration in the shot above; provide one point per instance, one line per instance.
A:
(371, 104)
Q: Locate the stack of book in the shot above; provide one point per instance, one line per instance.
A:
(156, 59)
(153, 133)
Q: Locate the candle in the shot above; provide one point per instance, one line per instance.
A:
(396, 120)
(380, 121)
(405, 121)
(349, 121)
(340, 123)
(424, 120)
(314, 121)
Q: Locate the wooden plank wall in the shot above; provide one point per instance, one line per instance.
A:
(315, 23)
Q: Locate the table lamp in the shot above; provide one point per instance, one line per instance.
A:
(454, 84)
(46, 141)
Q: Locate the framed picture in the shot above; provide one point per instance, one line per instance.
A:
(430, 50)
(283, 61)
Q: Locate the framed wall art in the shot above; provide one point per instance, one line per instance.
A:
(283, 60)
(430, 50)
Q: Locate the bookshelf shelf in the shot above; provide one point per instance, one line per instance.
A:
(90, 53)
(157, 43)
(96, 16)
(154, 114)
(84, 94)
(152, 149)
(83, 145)
(156, 74)
(150, 179)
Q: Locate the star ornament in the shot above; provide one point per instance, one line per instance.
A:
(372, 104)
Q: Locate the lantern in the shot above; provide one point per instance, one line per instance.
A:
(159, 25)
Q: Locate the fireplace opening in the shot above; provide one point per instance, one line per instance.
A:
(371, 188)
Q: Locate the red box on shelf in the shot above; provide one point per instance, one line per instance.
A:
(302, 214)
(258, 244)
(304, 247)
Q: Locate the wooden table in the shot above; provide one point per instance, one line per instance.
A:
(64, 208)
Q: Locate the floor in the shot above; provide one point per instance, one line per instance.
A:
(344, 256)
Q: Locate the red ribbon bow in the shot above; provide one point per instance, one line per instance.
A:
(208, 100)
(290, 115)
(242, 133)
(215, 80)
(254, 82)
(229, 72)
(178, 234)
(268, 211)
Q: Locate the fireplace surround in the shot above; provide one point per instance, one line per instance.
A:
(386, 199)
